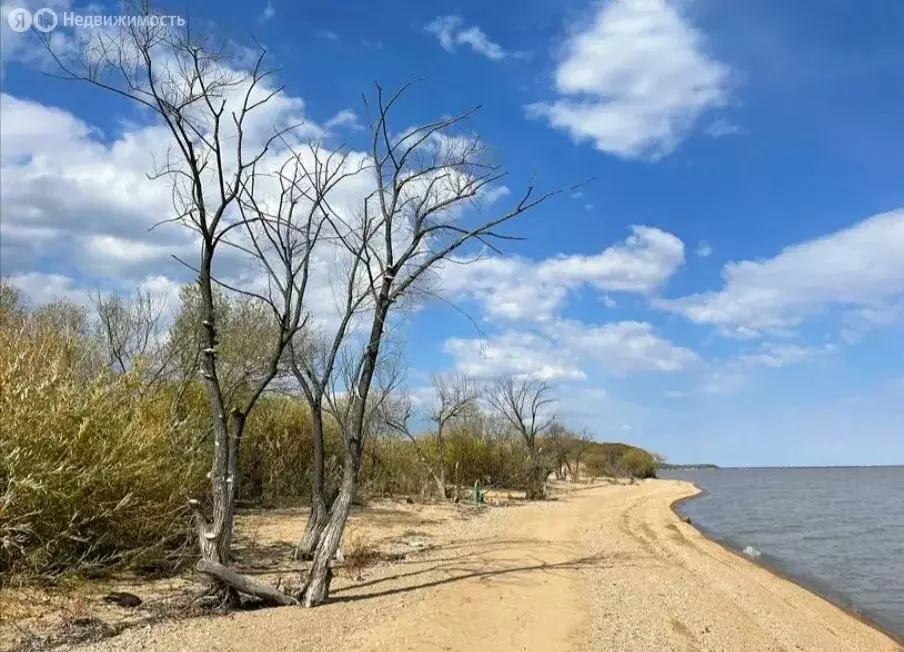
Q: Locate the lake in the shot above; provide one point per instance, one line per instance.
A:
(837, 531)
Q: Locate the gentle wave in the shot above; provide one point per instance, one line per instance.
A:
(752, 552)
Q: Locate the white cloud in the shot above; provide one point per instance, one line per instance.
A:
(506, 288)
(781, 355)
(71, 196)
(634, 80)
(642, 262)
(519, 289)
(859, 321)
(43, 288)
(451, 33)
(344, 118)
(624, 347)
(565, 350)
(268, 12)
(520, 354)
(704, 249)
(77, 198)
(859, 269)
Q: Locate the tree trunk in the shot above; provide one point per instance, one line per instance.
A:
(440, 479)
(320, 575)
(536, 488)
(319, 515)
(267, 593)
(215, 536)
(317, 586)
(317, 521)
(441, 476)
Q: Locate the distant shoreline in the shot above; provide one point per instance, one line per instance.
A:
(851, 610)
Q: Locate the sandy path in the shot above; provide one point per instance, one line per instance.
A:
(607, 568)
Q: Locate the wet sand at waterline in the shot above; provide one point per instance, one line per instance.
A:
(600, 568)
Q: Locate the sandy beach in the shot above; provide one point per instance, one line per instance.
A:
(600, 568)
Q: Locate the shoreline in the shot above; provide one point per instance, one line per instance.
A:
(850, 610)
(608, 567)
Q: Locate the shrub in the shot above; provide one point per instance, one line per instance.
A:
(92, 474)
(638, 463)
(359, 551)
(619, 460)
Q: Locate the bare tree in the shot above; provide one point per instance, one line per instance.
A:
(424, 177)
(559, 443)
(206, 99)
(313, 357)
(128, 328)
(526, 405)
(453, 395)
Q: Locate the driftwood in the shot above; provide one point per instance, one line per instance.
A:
(246, 585)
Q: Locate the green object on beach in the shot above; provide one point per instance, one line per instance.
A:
(478, 494)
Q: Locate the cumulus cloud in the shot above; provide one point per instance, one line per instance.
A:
(451, 32)
(344, 118)
(624, 347)
(563, 349)
(70, 197)
(518, 289)
(512, 353)
(634, 80)
(859, 270)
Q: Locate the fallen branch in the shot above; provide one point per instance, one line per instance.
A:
(246, 585)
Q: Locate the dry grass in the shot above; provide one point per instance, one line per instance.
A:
(359, 551)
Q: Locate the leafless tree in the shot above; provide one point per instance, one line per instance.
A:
(526, 405)
(206, 98)
(559, 444)
(314, 358)
(453, 395)
(128, 328)
(425, 178)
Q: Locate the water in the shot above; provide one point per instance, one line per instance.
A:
(838, 531)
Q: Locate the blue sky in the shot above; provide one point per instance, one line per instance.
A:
(728, 288)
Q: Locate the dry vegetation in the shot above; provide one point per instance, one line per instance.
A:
(96, 467)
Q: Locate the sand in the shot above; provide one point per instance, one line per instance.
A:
(600, 568)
